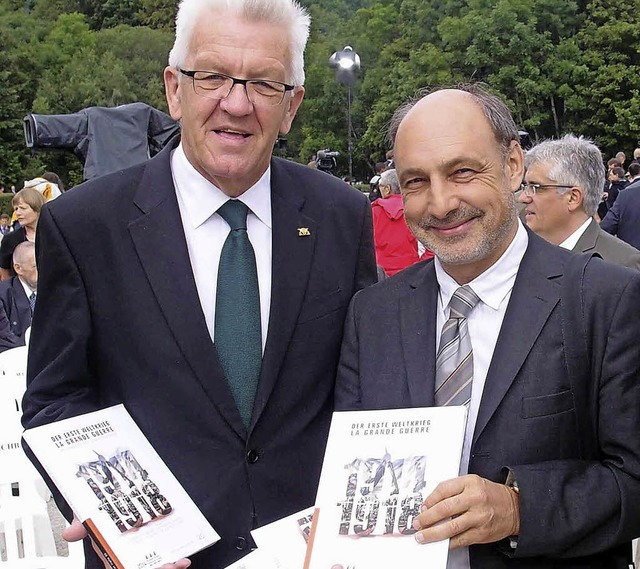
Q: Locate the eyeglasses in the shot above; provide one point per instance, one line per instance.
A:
(532, 189)
(214, 85)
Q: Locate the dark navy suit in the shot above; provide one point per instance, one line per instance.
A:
(570, 437)
(16, 306)
(119, 320)
(623, 219)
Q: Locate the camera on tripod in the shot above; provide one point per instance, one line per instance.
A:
(326, 160)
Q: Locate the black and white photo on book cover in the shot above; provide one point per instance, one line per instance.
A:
(120, 489)
(378, 469)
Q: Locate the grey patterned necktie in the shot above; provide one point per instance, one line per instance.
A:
(237, 332)
(32, 302)
(454, 362)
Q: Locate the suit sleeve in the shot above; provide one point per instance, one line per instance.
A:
(366, 268)
(60, 383)
(574, 508)
(347, 393)
(611, 220)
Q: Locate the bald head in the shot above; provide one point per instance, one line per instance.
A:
(24, 264)
(24, 252)
(496, 112)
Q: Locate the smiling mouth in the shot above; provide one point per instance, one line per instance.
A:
(452, 228)
(234, 133)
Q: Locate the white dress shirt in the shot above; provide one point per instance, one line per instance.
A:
(570, 242)
(493, 287)
(206, 232)
(28, 291)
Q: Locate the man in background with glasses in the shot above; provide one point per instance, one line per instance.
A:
(561, 192)
(213, 306)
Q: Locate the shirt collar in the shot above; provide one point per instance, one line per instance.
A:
(570, 242)
(27, 289)
(202, 198)
(496, 282)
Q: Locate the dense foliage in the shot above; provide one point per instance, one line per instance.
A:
(561, 65)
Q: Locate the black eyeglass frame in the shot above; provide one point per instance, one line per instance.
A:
(524, 187)
(234, 80)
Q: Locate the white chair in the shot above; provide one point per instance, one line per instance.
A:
(25, 529)
(26, 535)
(13, 368)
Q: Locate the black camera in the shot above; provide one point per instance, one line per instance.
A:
(326, 160)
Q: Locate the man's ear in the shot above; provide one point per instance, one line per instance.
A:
(293, 104)
(172, 92)
(514, 166)
(575, 198)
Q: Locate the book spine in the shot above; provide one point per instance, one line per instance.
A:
(102, 545)
(312, 537)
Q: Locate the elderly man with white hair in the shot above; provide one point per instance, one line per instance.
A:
(206, 288)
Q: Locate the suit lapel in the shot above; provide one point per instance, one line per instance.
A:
(170, 275)
(535, 294)
(292, 254)
(588, 239)
(418, 334)
(23, 307)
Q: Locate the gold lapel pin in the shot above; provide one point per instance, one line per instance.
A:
(303, 232)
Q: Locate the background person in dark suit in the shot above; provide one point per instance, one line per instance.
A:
(561, 191)
(130, 309)
(623, 219)
(553, 462)
(18, 294)
(8, 339)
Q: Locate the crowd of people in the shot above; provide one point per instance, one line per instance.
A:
(232, 300)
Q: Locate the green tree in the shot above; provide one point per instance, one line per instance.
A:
(159, 14)
(603, 102)
(18, 88)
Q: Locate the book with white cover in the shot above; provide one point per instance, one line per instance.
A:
(117, 485)
(286, 539)
(379, 467)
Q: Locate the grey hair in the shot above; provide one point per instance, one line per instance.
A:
(287, 13)
(572, 161)
(496, 112)
(390, 178)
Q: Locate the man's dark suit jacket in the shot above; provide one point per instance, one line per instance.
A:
(16, 306)
(8, 339)
(119, 321)
(578, 506)
(609, 247)
(623, 219)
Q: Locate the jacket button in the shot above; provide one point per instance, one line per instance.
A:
(252, 456)
(241, 543)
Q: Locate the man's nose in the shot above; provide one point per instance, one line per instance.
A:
(237, 101)
(443, 198)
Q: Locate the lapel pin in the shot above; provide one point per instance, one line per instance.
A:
(303, 232)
